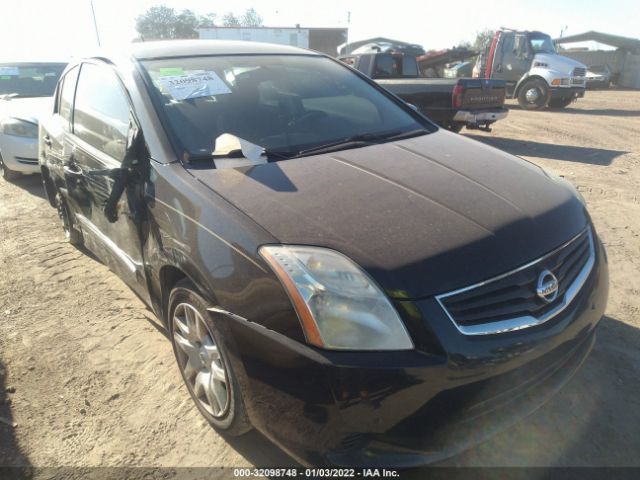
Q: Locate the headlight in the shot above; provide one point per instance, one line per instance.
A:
(560, 81)
(339, 306)
(19, 128)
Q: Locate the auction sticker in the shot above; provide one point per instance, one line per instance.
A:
(194, 84)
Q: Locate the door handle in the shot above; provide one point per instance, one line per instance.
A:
(47, 141)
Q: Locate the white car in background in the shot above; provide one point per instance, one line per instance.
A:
(26, 90)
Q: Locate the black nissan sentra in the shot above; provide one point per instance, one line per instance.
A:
(359, 285)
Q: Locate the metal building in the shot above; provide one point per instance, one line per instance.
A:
(325, 40)
(624, 62)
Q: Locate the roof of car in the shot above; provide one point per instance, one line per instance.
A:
(184, 48)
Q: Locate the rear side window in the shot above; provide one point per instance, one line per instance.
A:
(409, 66)
(65, 105)
(386, 67)
(101, 114)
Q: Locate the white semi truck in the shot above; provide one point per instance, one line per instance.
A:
(534, 72)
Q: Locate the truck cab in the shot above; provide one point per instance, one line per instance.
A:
(533, 71)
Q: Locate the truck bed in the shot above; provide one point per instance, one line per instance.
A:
(433, 96)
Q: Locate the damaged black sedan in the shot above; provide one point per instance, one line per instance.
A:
(333, 269)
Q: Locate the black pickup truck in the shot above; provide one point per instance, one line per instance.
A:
(450, 102)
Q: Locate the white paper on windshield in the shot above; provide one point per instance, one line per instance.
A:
(194, 84)
(226, 143)
(10, 71)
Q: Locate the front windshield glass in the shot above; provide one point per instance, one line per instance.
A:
(542, 44)
(283, 103)
(29, 79)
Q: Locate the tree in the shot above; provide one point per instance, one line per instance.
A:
(185, 25)
(230, 20)
(207, 21)
(251, 18)
(161, 23)
(483, 39)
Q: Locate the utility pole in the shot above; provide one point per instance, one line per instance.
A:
(562, 30)
(348, 27)
(95, 23)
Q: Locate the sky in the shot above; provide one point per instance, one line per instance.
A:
(47, 29)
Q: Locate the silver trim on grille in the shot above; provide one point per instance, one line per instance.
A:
(526, 321)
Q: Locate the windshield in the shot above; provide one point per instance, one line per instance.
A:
(29, 79)
(541, 43)
(597, 69)
(283, 103)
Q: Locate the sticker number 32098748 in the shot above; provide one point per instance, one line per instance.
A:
(193, 85)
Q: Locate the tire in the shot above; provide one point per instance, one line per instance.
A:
(71, 233)
(8, 174)
(533, 94)
(201, 355)
(560, 102)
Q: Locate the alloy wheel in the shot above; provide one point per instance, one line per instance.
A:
(200, 360)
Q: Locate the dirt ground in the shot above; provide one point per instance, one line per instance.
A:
(89, 379)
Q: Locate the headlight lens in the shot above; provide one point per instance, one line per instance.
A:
(19, 128)
(339, 306)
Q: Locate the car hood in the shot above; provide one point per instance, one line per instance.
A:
(29, 109)
(559, 63)
(421, 216)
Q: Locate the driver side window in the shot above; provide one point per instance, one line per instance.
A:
(101, 114)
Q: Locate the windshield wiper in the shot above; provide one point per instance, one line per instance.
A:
(361, 140)
(354, 141)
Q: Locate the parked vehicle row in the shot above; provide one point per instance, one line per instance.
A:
(599, 76)
(332, 268)
(25, 95)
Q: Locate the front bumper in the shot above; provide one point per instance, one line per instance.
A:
(567, 92)
(481, 117)
(403, 409)
(20, 154)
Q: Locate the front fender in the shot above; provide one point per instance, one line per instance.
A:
(199, 233)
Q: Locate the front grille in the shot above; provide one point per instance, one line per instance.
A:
(511, 302)
(579, 72)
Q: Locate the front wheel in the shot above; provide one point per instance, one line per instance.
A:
(533, 95)
(203, 361)
(8, 174)
(560, 102)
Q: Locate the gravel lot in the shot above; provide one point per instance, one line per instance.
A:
(87, 374)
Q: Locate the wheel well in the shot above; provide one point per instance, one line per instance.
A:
(169, 276)
(532, 77)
